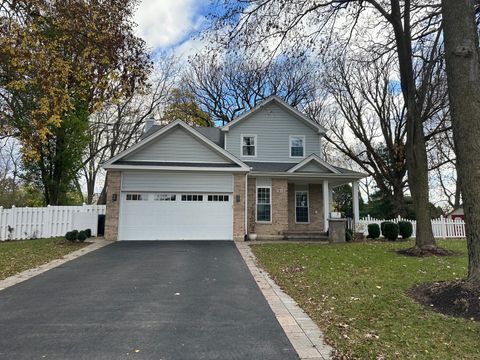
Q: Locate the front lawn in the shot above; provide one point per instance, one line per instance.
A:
(356, 294)
(20, 255)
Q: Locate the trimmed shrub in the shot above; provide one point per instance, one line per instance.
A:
(390, 231)
(70, 236)
(405, 229)
(75, 234)
(82, 235)
(348, 235)
(373, 231)
(382, 224)
(88, 232)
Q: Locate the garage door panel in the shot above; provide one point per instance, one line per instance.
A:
(152, 219)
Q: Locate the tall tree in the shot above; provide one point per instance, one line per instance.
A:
(56, 56)
(278, 24)
(463, 69)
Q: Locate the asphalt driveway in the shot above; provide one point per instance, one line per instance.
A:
(143, 300)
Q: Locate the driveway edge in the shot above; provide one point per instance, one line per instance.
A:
(28, 274)
(305, 336)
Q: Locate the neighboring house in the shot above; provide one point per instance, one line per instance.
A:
(261, 173)
(456, 214)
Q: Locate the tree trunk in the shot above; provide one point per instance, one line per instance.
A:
(418, 181)
(399, 201)
(416, 151)
(463, 74)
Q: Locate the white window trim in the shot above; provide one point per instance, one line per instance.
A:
(308, 206)
(256, 205)
(290, 146)
(255, 146)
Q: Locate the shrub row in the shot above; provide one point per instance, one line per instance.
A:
(81, 235)
(390, 230)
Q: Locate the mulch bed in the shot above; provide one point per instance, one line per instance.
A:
(418, 252)
(455, 298)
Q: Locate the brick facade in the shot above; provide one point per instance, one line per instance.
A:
(113, 207)
(315, 204)
(239, 207)
(279, 224)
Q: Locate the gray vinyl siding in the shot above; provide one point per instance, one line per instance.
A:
(179, 146)
(314, 167)
(176, 181)
(273, 127)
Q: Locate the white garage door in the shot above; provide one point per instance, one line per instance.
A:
(175, 216)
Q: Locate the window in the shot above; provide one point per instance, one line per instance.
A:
(218, 198)
(193, 197)
(165, 197)
(136, 197)
(249, 143)
(297, 146)
(301, 206)
(264, 204)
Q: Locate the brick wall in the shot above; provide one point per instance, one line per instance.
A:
(113, 207)
(315, 194)
(239, 207)
(279, 224)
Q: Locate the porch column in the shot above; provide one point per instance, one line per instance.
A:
(356, 208)
(326, 204)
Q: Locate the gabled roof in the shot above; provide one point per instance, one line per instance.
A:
(116, 161)
(316, 159)
(214, 134)
(284, 105)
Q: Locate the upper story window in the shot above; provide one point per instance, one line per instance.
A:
(297, 146)
(249, 145)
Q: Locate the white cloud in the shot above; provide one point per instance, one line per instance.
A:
(164, 23)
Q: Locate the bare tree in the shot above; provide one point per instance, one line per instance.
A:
(463, 55)
(119, 124)
(279, 24)
(226, 86)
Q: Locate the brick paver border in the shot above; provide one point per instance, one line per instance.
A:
(305, 336)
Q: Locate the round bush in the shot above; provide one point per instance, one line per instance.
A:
(390, 231)
(405, 229)
(382, 225)
(373, 231)
(74, 234)
(348, 235)
(88, 232)
(82, 235)
(70, 236)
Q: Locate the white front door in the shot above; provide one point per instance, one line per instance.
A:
(175, 216)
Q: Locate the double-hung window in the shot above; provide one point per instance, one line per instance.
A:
(249, 145)
(264, 204)
(297, 146)
(301, 206)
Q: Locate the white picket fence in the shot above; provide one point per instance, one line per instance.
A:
(44, 222)
(442, 227)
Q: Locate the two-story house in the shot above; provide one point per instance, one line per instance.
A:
(262, 173)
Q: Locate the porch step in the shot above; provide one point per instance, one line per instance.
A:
(305, 235)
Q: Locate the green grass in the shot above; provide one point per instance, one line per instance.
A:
(356, 294)
(20, 255)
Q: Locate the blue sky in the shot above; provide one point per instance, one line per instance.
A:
(171, 24)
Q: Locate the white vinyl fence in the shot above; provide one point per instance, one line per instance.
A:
(44, 222)
(442, 227)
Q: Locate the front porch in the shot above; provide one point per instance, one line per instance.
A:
(293, 207)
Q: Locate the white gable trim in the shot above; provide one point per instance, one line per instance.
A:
(284, 105)
(109, 164)
(315, 158)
